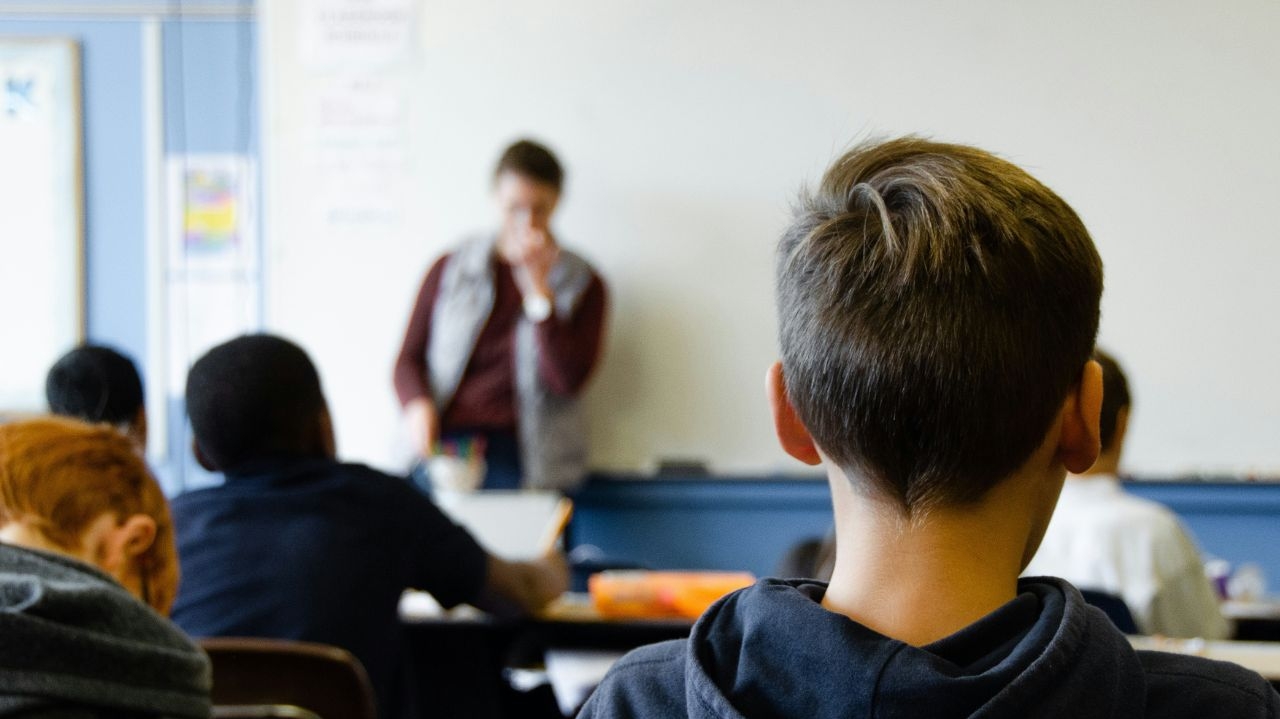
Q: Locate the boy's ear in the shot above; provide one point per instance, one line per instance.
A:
(138, 534)
(792, 434)
(114, 546)
(1080, 442)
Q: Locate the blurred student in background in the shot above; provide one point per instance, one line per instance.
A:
(98, 384)
(87, 568)
(1105, 539)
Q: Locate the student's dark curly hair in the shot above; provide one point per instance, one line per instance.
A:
(94, 384)
(255, 397)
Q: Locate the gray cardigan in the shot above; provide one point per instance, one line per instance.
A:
(553, 446)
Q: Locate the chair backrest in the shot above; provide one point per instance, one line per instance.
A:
(1114, 607)
(263, 711)
(279, 675)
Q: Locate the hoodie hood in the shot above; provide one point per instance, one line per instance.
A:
(773, 651)
(72, 636)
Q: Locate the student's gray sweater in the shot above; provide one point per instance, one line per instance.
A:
(74, 643)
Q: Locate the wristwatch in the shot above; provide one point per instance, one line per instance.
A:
(537, 307)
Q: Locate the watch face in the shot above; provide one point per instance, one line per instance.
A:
(537, 307)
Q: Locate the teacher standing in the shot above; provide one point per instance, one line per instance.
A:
(504, 334)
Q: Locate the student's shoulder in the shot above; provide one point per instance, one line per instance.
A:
(1186, 686)
(361, 477)
(328, 478)
(653, 659)
(198, 501)
(194, 496)
(647, 682)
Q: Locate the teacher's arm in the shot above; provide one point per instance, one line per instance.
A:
(410, 375)
(568, 347)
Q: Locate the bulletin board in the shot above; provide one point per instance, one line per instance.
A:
(41, 214)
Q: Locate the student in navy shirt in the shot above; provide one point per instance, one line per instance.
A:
(297, 545)
(937, 310)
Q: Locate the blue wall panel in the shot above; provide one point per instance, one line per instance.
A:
(210, 87)
(733, 524)
(1237, 522)
(700, 524)
(210, 106)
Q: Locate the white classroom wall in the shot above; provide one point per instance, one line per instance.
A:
(687, 127)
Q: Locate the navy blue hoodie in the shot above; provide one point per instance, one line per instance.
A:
(771, 650)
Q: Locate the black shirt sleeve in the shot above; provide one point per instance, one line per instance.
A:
(440, 557)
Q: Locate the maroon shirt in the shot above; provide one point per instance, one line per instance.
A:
(486, 397)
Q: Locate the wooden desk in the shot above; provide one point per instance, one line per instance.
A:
(1255, 609)
(459, 659)
(1257, 620)
(572, 621)
(1261, 657)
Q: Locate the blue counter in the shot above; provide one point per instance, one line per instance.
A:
(750, 522)
(1236, 521)
(700, 523)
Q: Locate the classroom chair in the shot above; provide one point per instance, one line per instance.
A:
(284, 678)
(1114, 607)
(263, 711)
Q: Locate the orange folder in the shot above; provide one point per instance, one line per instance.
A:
(661, 595)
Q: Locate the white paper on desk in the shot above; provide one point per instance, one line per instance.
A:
(511, 524)
(575, 673)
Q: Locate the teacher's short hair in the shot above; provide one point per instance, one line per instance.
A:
(532, 160)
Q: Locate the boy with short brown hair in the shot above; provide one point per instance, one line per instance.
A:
(937, 311)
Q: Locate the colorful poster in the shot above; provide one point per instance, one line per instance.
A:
(212, 292)
(212, 224)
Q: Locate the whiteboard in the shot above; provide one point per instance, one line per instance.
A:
(687, 128)
(41, 218)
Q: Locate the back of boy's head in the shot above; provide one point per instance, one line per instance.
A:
(1115, 397)
(95, 384)
(255, 397)
(59, 475)
(936, 305)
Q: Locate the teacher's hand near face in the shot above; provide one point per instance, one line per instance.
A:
(538, 253)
